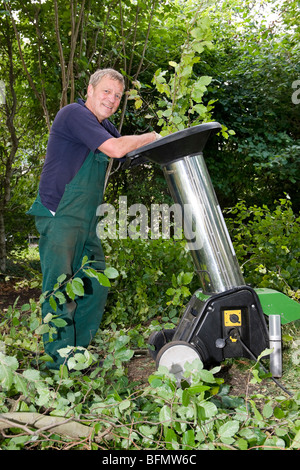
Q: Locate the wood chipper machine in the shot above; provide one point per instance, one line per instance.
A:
(225, 318)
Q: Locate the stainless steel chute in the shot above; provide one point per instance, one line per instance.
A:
(204, 226)
(180, 155)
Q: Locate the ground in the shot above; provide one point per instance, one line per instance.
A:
(236, 374)
(9, 293)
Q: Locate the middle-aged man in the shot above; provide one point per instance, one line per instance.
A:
(71, 188)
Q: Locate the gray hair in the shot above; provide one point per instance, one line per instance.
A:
(111, 73)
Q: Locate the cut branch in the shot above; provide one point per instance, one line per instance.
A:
(62, 426)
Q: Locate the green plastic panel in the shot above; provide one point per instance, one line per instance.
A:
(276, 303)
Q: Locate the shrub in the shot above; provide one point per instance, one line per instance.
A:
(267, 244)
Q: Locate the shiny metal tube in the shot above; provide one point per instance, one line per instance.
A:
(204, 226)
(275, 345)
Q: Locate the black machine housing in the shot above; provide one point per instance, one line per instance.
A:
(230, 324)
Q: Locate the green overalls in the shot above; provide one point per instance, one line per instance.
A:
(64, 240)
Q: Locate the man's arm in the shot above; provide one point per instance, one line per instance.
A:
(119, 147)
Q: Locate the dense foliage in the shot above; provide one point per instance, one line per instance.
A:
(93, 405)
(233, 62)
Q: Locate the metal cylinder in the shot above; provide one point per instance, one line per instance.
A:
(275, 345)
(204, 226)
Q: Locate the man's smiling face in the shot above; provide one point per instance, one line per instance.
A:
(104, 99)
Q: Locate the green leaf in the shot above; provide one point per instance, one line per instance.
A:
(296, 441)
(25, 307)
(205, 80)
(207, 376)
(60, 296)
(124, 355)
(267, 411)
(188, 439)
(103, 280)
(59, 322)
(278, 412)
(229, 429)
(42, 329)
(257, 414)
(148, 431)
(61, 278)
(138, 104)
(52, 303)
(32, 375)
(77, 286)
(200, 109)
(165, 415)
(9, 361)
(266, 352)
(171, 439)
(186, 397)
(111, 273)
(242, 444)
(20, 384)
(196, 389)
(124, 405)
(48, 318)
(207, 410)
(6, 377)
(84, 260)
(170, 291)
(187, 278)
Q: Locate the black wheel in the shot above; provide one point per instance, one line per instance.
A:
(158, 339)
(175, 355)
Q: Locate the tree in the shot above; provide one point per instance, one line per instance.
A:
(9, 135)
(254, 64)
(45, 68)
(244, 81)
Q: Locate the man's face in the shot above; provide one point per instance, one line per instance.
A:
(104, 99)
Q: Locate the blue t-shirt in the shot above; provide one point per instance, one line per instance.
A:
(74, 134)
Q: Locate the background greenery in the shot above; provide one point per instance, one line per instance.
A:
(185, 62)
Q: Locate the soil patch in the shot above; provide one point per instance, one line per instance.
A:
(9, 293)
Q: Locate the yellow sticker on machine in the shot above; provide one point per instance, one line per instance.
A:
(233, 317)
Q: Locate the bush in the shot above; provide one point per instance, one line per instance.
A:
(267, 244)
(146, 272)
